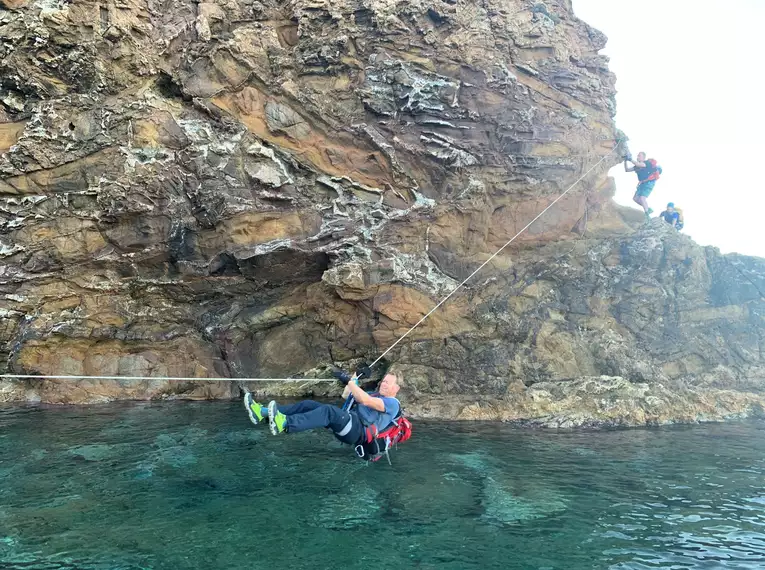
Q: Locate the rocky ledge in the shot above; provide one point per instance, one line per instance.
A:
(249, 189)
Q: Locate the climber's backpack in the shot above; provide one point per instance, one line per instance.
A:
(376, 444)
(654, 170)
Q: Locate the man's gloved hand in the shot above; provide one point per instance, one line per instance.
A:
(363, 372)
(628, 156)
(344, 377)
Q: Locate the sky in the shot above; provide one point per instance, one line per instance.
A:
(691, 93)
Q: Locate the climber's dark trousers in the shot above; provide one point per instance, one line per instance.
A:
(310, 414)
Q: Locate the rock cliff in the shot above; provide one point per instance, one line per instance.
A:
(245, 188)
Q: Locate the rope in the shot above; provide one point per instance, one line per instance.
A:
(187, 379)
(391, 347)
(496, 253)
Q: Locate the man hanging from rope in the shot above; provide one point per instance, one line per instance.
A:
(648, 172)
(377, 410)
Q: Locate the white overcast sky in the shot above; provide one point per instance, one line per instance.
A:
(691, 93)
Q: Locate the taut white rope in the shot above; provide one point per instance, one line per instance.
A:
(187, 379)
(496, 253)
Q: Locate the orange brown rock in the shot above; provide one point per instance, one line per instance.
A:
(260, 189)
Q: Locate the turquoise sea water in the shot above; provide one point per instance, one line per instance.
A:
(194, 485)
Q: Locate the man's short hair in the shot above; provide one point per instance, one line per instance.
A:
(396, 375)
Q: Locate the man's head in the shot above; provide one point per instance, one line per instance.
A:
(389, 386)
(641, 157)
(671, 207)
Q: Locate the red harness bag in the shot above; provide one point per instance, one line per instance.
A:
(376, 444)
(655, 170)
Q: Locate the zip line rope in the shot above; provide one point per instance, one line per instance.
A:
(511, 240)
(391, 347)
(178, 378)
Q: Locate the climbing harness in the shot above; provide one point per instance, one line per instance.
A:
(375, 445)
(391, 347)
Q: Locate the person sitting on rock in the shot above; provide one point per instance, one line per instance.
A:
(377, 409)
(648, 172)
(673, 216)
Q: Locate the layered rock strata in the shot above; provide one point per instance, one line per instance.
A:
(252, 189)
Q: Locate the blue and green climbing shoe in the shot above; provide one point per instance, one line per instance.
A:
(254, 409)
(276, 419)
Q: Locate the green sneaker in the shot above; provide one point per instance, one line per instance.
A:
(276, 419)
(649, 212)
(254, 409)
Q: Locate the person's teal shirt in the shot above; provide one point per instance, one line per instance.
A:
(380, 420)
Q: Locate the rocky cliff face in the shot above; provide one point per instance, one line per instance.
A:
(246, 188)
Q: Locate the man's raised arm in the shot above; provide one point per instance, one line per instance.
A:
(365, 399)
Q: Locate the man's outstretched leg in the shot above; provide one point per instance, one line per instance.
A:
(641, 197)
(258, 412)
(306, 415)
(643, 202)
(300, 407)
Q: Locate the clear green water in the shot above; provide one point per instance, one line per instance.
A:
(194, 485)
